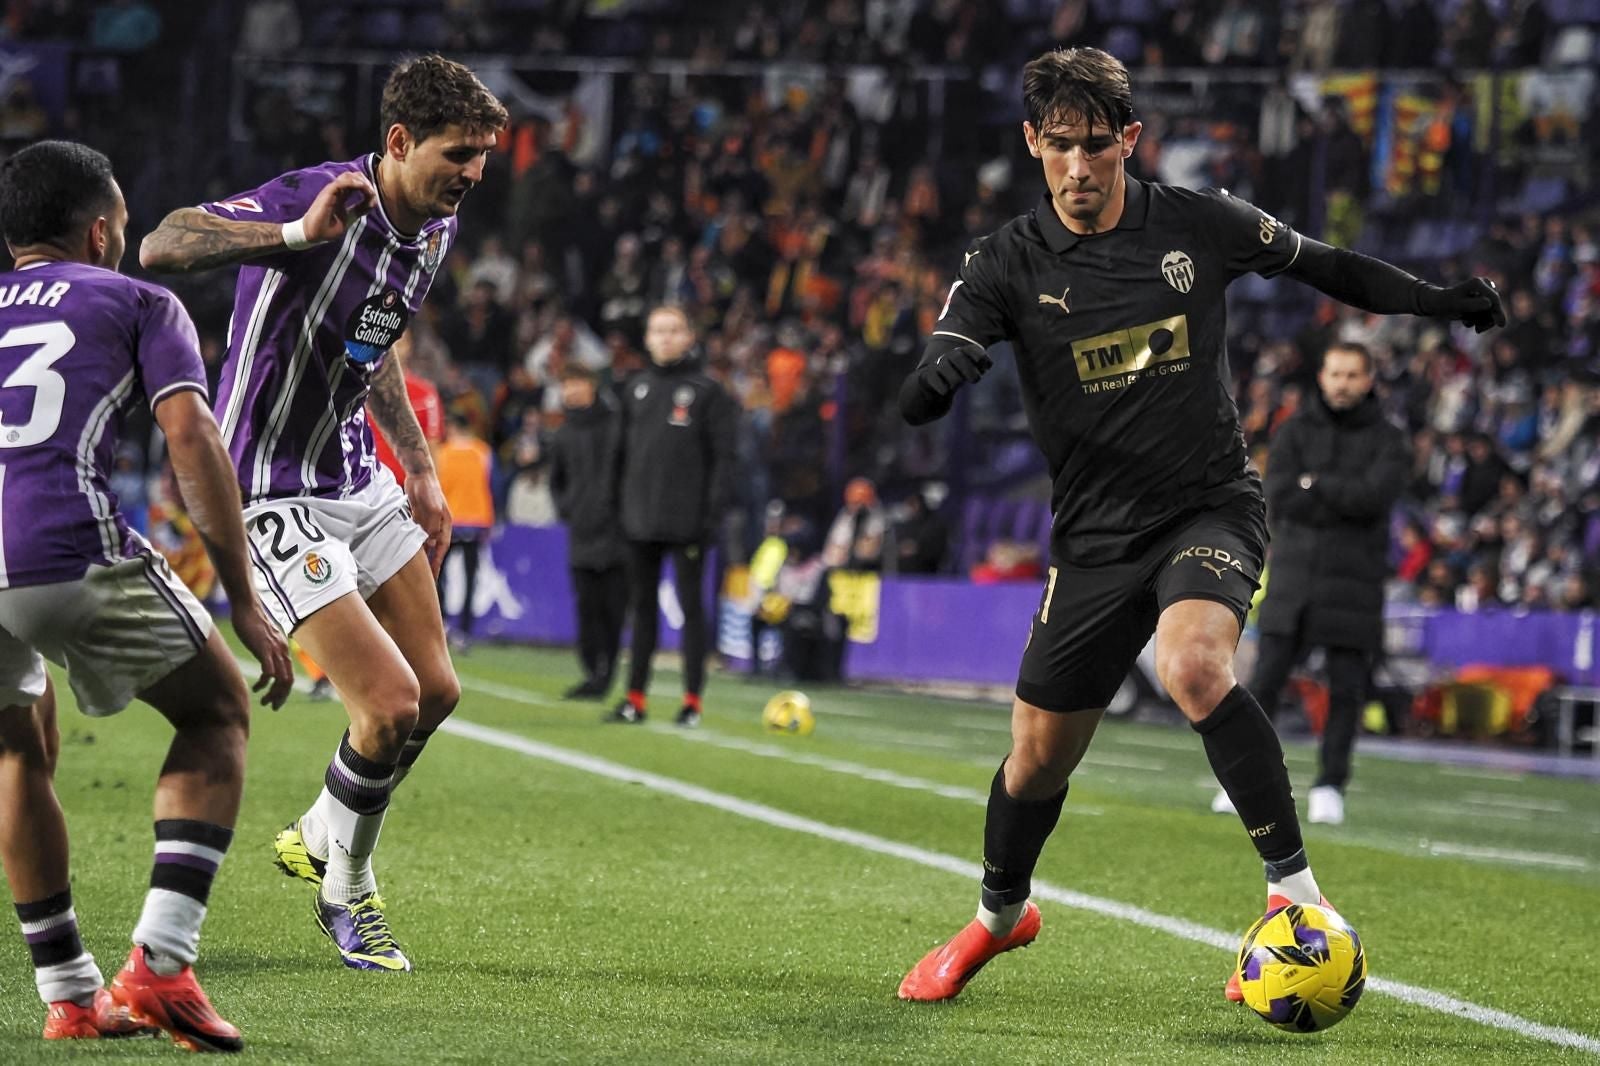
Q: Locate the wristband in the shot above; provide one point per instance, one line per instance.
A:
(294, 236)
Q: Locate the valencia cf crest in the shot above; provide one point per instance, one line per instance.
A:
(1178, 269)
(433, 251)
(682, 399)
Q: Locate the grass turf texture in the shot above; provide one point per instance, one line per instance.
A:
(556, 916)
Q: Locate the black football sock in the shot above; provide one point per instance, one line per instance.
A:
(1247, 758)
(1014, 832)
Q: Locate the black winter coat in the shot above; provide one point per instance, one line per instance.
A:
(1330, 543)
(583, 459)
(678, 450)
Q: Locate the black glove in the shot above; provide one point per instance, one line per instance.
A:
(1475, 303)
(960, 364)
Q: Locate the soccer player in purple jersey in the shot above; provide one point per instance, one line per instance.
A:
(336, 258)
(80, 345)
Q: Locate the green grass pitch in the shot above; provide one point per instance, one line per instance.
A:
(557, 914)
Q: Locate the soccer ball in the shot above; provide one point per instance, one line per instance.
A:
(789, 713)
(1301, 968)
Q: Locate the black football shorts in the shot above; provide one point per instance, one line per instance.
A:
(1092, 622)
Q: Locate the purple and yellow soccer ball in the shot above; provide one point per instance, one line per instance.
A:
(1302, 968)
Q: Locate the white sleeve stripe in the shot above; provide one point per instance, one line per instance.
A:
(1292, 258)
(177, 386)
(958, 336)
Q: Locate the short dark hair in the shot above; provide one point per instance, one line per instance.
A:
(1065, 84)
(579, 372)
(50, 190)
(427, 93)
(1354, 348)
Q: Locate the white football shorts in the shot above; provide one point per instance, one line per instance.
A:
(308, 551)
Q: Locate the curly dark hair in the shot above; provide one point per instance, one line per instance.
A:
(51, 189)
(427, 93)
(1077, 83)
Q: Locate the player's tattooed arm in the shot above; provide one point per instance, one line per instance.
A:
(390, 406)
(391, 409)
(191, 240)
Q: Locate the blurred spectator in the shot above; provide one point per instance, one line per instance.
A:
(466, 469)
(813, 635)
(855, 539)
(270, 27)
(174, 535)
(1008, 560)
(920, 537)
(494, 266)
(21, 118)
(124, 26)
(583, 456)
(529, 501)
(480, 335)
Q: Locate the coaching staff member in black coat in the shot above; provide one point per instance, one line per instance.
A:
(1334, 472)
(583, 459)
(675, 479)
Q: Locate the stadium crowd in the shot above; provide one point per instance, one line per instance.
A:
(811, 237)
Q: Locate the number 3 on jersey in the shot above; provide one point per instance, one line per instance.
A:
(271, 526)
(53, 341)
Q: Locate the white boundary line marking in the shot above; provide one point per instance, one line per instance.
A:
(1178, 927)
(842, 766)
(1395, 845)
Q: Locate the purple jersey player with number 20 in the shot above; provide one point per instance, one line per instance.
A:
(335, 260)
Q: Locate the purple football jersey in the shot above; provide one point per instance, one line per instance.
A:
(79, 346)
(309, 329)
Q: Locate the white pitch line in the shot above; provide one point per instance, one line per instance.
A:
(1528, 858)
(1146, 740)
(852, 769)
(1512, 776)
(1455, 813)
(1123, 762)
(1495, 799)
(1439, 849)
(838, 766)
(1178, 927)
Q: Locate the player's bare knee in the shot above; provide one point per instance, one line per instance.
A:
(440, 698)
(1035, 770)
(390, 714)
(1197, 676)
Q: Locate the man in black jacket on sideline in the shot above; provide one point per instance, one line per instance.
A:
(1334, 472)
(583, 458)
(674, 482)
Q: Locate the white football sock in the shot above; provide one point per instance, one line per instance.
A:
(1299, 888)
(1002, 922)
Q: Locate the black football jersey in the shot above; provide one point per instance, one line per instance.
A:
(1120, 341)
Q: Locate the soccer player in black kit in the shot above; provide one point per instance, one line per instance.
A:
(1111, 293)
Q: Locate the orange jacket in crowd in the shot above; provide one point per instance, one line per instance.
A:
(465, 464)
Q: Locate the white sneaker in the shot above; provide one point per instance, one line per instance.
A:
(1326, 806)
(1221, 804)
